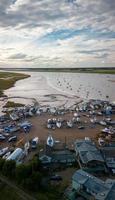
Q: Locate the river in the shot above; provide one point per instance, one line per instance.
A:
(62, 89)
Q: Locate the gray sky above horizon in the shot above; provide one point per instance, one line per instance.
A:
(57, 33)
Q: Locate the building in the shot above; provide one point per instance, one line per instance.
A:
(92, 188)
(88, 156)
(109, 157)
(58, 157)
(63, 157)
(45, 159)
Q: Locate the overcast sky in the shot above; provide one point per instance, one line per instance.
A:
(57, 33)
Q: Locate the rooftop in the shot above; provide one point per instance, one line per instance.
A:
(88, 151)
(101, 190)
(111, 194)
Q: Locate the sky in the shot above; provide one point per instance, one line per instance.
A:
(57, 33)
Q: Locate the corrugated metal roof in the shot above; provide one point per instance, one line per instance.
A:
(111, 194)
(88, 151)
(96, 187)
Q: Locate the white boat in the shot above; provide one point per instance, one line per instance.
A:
(50, 141)
(69, 124)
(76, 115)
(93, 120)
(102, 123)
(108, 119)
(27, 146)
(6, 155)
(106, 130)
(99, 113)
(58, 124)
(101, 141)
(30, 113)
(3, 151)
(49, 126)
(78, 119)
(14, 116)
(52, 110)
(38, 112)
(34, 142)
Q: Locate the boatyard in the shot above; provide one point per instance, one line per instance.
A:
(94, 119)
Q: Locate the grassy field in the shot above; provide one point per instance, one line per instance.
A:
(11, 104)
(8, 79)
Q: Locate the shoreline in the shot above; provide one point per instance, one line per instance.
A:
(7, 81)
(54, 97)
(108, 70)
(4, 99)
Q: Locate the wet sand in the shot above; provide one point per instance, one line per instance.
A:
(56, 89)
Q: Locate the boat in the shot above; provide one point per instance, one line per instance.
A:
(58, 124)
(6, 155)
(93, 120)
(81, 127)
(14, 116)
(76, 115)
(105, 130)
(50, 141)
(101, 142)
(2, 137)
(3, 151)
(103, 123)
(27, 146)
(78, 119)
(34, 143)
(69, 124)
(49, 126)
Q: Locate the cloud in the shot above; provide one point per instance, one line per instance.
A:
(18, 56)
(64, 32)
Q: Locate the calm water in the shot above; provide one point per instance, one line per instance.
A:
(57, 89)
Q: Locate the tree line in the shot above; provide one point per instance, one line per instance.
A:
(28, 175)
(32, 177)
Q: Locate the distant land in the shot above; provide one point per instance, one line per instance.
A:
(109, 70)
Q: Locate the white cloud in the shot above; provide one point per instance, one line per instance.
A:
(24, 23)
